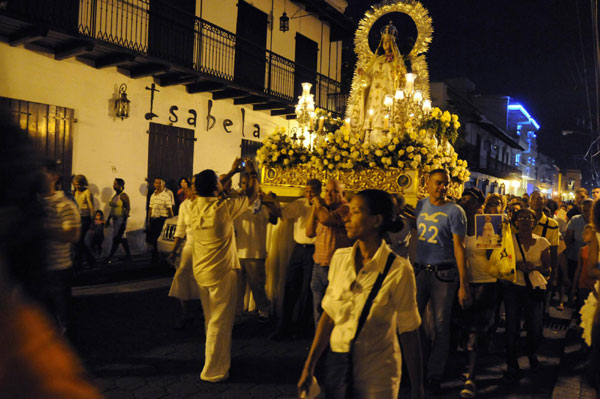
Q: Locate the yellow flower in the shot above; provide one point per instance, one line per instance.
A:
(273, 147)
(454, 118)
(291, 152)
(391, 147)
(422, 132)
(325, 162)
(337, 157)
(400, 164)
(372, 164)
(456, 125)
(286, 161)
(378, 153)
(400, 152)
(410, 148)
(274, 158)
(446, 117)
(423, 150)
(414, 164)
(283, 152)
(352, 141)
(330, 166)
(395, 141)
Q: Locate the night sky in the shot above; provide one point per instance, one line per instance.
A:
(528, 50)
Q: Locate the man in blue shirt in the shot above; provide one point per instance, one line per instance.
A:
(440, 267)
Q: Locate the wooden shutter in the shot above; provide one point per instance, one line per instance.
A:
(170, 154)
(50, 127)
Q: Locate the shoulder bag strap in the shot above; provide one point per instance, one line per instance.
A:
(525, 275)
(367, 308)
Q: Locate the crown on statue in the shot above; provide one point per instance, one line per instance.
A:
(390, 30)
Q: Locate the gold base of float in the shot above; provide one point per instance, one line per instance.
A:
(411, 184)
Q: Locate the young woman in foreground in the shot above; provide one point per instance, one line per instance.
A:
(375, 353)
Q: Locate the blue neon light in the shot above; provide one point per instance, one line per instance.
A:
(519, 107)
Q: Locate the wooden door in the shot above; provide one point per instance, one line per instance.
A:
(50, 127)
(251, 46)
(171, 30)
(306, 63)
(170, 154)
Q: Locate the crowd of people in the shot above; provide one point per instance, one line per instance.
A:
(368, 276)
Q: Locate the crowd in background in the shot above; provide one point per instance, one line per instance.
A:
(368, 275)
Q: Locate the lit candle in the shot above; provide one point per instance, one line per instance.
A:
(347, 122)
(386, 122)
(410, 82)
(388, 101)
(312, 118)
(427, 106)
(418, 97)
(321, 123)
(371, 113)
(399, 95)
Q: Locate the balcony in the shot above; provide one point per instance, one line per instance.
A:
(154, 38)
(491, 167)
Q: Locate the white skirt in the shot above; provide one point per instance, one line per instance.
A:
(184, 284)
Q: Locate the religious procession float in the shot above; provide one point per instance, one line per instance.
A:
(391, 136)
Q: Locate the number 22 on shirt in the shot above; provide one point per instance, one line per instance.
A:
(427, 234)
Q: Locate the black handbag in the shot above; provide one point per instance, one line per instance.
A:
(334, 369)
(536, 294)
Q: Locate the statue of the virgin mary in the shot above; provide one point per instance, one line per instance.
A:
(384, 73)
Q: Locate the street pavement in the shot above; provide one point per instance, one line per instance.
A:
(125, 335)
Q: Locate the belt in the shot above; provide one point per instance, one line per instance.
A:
(306, 245)
(435, 268)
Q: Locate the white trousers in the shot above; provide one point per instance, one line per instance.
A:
(219, 303)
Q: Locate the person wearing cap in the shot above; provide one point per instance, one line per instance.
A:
(440, 267)
(478, 318)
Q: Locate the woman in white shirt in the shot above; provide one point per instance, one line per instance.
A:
(532, 255)
(477, 318)
(375, 352)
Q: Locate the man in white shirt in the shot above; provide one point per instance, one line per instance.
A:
(216, 264)
(160, 209)
(251, 241)
(296, 315)
(62, 228)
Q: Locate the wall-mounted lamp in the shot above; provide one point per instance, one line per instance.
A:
(284, 22)
(122, 103)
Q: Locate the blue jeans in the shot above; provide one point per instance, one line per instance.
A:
(318, 286)
(439, 288)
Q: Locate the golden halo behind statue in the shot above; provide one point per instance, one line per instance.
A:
(420, 17)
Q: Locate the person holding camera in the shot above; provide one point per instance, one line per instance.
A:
(216, 263)
(251, 241)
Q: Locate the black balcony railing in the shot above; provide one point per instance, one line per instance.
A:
(159, 29)
(491, 166)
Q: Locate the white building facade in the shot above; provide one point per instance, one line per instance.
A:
(206, 81)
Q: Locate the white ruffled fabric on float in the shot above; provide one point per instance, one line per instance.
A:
(587, 312)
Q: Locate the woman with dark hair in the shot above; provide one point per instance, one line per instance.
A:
(83, 198)
(119, 213)
(532, 255)
(477, 318)
(184, 190)
(35, 360)
(371, 299)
